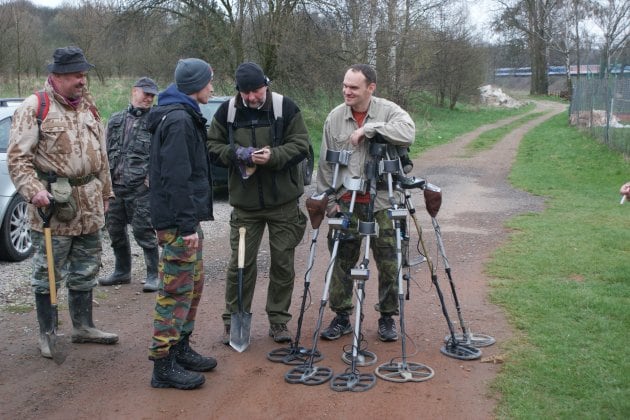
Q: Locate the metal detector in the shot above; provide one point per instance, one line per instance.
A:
(352, 379)
(402, 371)
(307, 373)
(466, 336)
(453, 348)
(296, 354)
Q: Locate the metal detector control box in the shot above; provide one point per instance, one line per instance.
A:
(397, 214)
(340, 223)
(360, 273)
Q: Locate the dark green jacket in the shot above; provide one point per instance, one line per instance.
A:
(280, 180)
(128, 167)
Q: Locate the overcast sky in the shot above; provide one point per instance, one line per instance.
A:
(47, 3)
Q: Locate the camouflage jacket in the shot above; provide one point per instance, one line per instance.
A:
(128, 158)
(72, 145)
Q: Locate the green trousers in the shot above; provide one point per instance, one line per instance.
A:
(286, 225)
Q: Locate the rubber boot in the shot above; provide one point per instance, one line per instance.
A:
(83, 330)
(189, 359)
(167, 373)
(151, 259)
(122, 268)
(44, 318)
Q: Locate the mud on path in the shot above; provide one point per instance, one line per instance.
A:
(112, 382)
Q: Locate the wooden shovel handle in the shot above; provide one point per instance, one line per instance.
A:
(51, 266)
(241, 247)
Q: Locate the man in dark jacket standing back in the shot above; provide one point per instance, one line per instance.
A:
(180, 198)
(265, 183)
(128, 146)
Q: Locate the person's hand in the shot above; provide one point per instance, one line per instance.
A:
(261, 156)
(105, 205)
(191, 241)
(41, 199)
(357, 136)
(244, 154)
(333, 211)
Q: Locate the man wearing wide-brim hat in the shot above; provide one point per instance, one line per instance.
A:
(57, 149)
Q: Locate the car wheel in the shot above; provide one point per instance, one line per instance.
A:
(15, 233)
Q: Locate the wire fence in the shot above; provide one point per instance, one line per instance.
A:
(602, 106)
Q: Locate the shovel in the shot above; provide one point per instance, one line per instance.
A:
(241, 321)
(56, 352)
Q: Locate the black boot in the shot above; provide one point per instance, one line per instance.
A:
(151, 259)
(122, 268)
(167, 373)
(44, 318)
(83, 330)
(189, 359)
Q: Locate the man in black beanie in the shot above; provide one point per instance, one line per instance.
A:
(265, 182)
(180, 199)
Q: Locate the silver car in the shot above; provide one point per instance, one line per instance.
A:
(15, 230)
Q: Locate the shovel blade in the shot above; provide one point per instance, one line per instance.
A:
(240, 327)
(56, 350)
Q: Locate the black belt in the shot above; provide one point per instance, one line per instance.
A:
(74, 182)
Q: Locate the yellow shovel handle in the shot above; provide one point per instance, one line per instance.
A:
(241, 248)
(51, 267)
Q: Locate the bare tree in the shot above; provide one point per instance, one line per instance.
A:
(533, 19)
(456, 66)
(20, 39)
(613, 18)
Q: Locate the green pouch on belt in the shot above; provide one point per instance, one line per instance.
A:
(65, 206)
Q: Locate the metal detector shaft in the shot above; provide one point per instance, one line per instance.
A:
(447, 269)
(476, 340)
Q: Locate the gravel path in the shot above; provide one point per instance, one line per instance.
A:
(112, 382)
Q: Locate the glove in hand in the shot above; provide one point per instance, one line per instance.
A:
(244, 154)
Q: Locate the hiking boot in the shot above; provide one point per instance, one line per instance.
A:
(167, 373)
(387, 329)
(226, 335)
(189, 359)
(280, 333)
(340, 325)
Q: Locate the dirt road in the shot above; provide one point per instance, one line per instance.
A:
(112, 382)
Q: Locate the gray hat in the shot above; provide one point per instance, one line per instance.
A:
(69, 60)
(147, 85)
(249, 76)
(192, 75)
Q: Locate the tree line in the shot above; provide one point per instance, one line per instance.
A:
(416, 45)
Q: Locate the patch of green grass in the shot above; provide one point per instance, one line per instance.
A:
(489, 138)
(563, 280)
(18, 309)
(436, 126)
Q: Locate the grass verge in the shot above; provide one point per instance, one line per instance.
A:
(489, 138)
(563, 280)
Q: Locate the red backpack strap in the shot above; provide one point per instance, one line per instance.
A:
(43, 104)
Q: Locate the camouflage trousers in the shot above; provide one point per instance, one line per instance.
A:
(77, 261)
(350, 251)
(286, 224)
(131, 206)
(181, 285)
